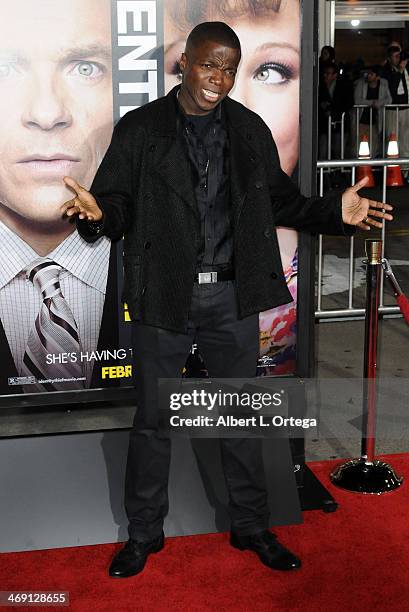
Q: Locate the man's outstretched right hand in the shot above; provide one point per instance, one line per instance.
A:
(83, 204)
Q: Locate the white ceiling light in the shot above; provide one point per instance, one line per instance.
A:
(355, 23)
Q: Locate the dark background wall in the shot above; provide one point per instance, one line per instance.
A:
(369, 45)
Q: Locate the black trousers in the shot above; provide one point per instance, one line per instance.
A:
(230, 348)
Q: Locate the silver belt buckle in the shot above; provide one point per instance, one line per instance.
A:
(207, 277)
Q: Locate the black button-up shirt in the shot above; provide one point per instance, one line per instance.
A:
(206, 141)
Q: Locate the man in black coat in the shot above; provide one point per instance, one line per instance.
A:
(335, 98)
(395, 72)
(194, 183)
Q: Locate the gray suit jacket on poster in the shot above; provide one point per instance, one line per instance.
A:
(144, 187)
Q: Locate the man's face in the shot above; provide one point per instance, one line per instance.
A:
(372, 77)
(55, 100)
(268, 78)
(395, 58)
(325, 55)
(330, 75)
(208, 73)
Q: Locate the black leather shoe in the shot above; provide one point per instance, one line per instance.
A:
(131, 559)
(267, 547)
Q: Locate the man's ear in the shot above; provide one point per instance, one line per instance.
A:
(183, 62)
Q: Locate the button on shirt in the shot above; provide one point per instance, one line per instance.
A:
(206, 142)
(83, 284)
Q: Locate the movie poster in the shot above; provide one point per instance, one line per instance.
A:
(68, 72)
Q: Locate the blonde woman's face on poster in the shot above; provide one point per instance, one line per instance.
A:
(268, 78)
(55, 101)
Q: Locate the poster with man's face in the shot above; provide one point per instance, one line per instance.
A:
(68, 72)
(55, 104)
(56, 114)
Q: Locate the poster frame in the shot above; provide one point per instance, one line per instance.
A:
(305, 291)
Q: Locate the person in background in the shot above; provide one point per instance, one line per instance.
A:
(392, 43)
(396, 73)
(372, 90)
(327, 56)
(334, 99)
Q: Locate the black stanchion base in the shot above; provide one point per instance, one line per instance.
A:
(373, 478)
(313, 495)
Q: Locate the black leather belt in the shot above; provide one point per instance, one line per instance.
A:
(214, 277)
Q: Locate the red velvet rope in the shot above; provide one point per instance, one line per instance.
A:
(403, 304)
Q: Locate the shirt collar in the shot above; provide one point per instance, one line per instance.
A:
(73, 254)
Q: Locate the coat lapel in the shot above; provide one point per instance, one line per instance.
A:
(243, 157)
(173, 164)
(174, 168)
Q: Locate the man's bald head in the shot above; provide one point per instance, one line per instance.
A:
(215, 31)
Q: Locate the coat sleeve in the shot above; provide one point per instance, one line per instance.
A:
(292, 209)
(393, 77)
(384, 93)
(360, 91)
(113, 186)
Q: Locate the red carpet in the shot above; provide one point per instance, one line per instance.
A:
(354, 560)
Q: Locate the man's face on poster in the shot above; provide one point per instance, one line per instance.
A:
(55, 100)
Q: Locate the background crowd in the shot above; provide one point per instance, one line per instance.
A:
(351, 103)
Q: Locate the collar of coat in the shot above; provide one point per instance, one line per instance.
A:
(244, 128)
(165, 122)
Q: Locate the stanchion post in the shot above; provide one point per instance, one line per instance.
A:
(368, 475)
(373, 251)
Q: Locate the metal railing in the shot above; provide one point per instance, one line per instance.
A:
(350, 310)
(332, 124)
(356, 122)
(350, 165)
(396, 108)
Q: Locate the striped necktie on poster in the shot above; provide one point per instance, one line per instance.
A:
(54, 333)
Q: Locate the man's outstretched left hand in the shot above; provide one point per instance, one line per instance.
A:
(362, 212)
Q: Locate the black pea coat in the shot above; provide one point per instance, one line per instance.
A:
(144, 187)
(341, 102)
(395, 78)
